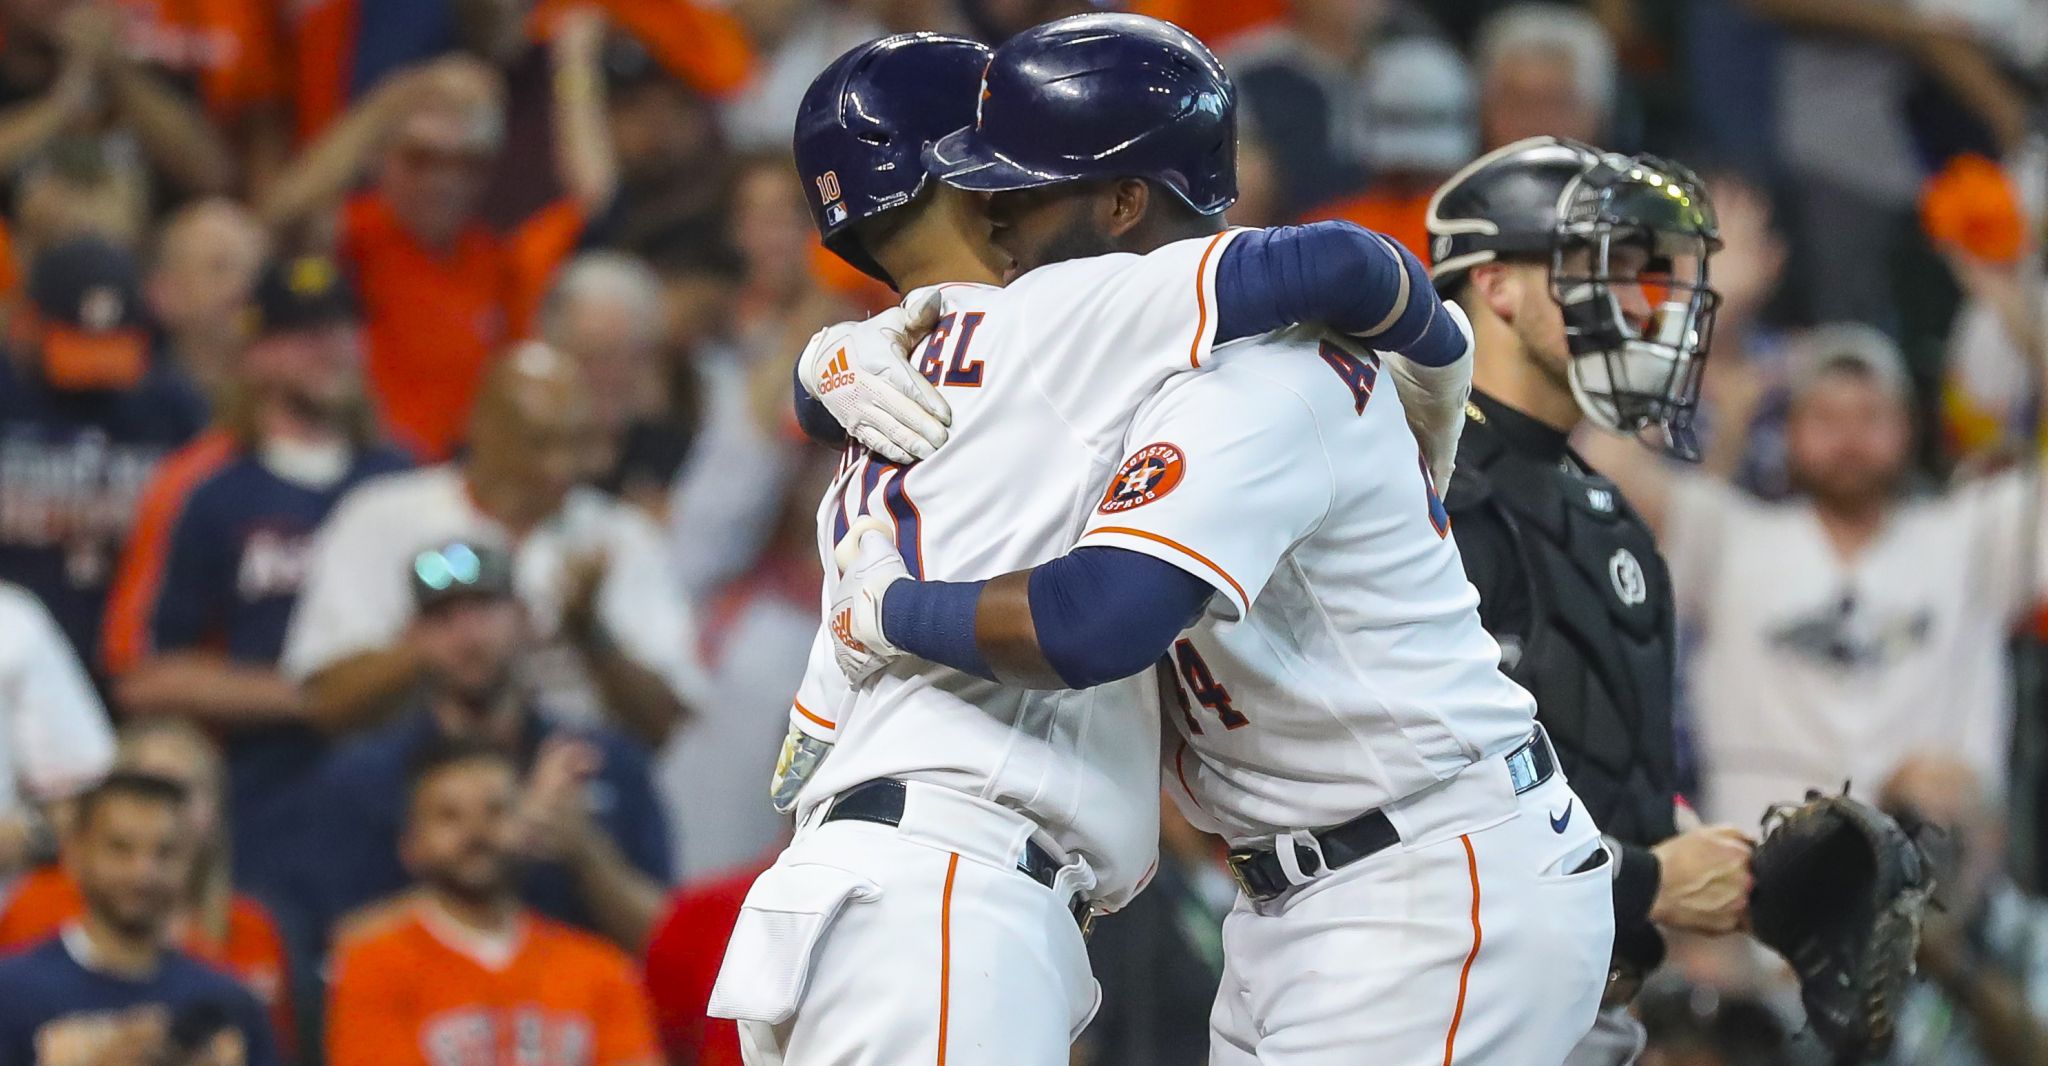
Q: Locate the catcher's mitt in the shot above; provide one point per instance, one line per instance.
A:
(1839, 891)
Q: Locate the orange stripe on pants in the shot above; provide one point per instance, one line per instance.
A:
(946, 951)
(1465, 975)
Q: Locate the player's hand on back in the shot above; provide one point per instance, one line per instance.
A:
(1704, 881)
(868, 564)
(1433, 399)
(862, 373)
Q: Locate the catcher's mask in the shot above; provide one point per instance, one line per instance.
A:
(1628, 266)
(1626, 240)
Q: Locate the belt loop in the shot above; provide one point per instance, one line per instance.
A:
(1284, 847)
(1076, 878)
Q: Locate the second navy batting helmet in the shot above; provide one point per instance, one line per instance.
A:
(864, 123)
(1100, 96)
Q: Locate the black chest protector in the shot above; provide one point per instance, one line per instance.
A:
(1598, 648)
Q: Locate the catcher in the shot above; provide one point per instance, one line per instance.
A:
(1584, 274)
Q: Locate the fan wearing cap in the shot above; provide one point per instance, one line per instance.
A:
(209, 579)
(471, 633)
(615, 638)
(86, 412)
(1861, 621)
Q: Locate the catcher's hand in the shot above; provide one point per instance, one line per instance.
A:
(1840, 891)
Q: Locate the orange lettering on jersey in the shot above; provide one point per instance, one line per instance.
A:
(1150, 472)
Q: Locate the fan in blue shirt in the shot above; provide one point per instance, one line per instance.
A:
(470, 629)
(86, 412)
(197, 617)
(107, 981)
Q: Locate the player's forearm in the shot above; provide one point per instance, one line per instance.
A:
(210, 689)
(363, 689)
(1090, 617)
(1339, 275)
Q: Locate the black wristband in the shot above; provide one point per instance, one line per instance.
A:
(1636, 879)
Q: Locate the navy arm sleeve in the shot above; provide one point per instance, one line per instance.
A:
(1340, 275)
(1100, 614)
(816, 422)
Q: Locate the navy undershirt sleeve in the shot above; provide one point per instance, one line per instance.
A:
(934, 620)
(1100, 614)
(1107, 613)
(1335, 274)
(817, 422)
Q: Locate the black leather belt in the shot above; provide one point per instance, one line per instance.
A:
(1262, 876)
(881, 801)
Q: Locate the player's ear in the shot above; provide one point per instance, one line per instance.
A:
(1126, 205)
(1496, 288)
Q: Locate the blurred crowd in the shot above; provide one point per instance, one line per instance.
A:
(406, 553)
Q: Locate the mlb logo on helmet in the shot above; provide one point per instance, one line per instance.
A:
(1150, 472)
(835, 214)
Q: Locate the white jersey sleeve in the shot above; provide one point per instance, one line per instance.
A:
(1121, 323)
(816, 707)
(644, 608)
(1219, 481)
(354, 599)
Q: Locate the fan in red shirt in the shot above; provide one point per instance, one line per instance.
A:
(442, 293)
(683, 957)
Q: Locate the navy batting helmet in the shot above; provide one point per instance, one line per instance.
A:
(864, 123)
(1100, 96)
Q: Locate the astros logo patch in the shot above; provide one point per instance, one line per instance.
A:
(1148, 474)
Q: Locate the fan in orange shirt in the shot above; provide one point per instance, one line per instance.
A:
(214, 923)
(457, 972)
(443, 294)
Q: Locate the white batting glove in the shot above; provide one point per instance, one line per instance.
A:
(1433, 398)
(861, 372)
(868, 565)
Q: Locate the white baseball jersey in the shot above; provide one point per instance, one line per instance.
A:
(1043, 377)
(1341, 665)
(54, 737)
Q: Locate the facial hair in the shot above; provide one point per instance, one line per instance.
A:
(1076, 238)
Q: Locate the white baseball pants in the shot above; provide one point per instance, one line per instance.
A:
(866, 945)
(1472, 942)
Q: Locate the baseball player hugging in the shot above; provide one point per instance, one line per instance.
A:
(1163, 443)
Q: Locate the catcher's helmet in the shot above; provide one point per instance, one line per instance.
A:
(1626, 239)
(1100, 96)
(864, 123)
